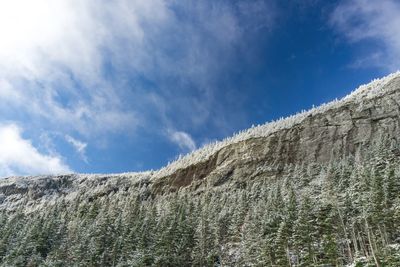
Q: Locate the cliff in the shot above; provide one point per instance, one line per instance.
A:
(342, 128)
(319, 188)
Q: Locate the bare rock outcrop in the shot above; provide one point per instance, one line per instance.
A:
(348, 128)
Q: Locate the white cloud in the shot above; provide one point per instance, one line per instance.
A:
(69, 66)
(79, 146)
(19, 157)
(54, 55)
(378, 21)
(182, 139)
(7, 92)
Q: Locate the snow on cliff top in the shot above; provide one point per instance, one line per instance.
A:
(373, 89)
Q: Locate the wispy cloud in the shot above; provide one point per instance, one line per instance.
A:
(183, 140)
(18, 155)
(93, 68)
(76, 44)
(376, 21)
(79, 146)
(51, 59)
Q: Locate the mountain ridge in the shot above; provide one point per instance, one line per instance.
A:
(213, 159)
(318, 188)
(369, 90)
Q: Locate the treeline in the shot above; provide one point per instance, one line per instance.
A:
(318, 216)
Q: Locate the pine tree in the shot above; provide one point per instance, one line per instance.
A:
(304, 233)
(281, 245)
(205, 249)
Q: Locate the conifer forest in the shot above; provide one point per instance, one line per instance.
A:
(320, 215)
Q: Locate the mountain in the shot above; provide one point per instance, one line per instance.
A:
(320, 188)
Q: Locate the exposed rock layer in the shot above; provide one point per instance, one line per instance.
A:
(341, 131)
(344, 131)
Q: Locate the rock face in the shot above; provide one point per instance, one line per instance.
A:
(343, 131)
(346, 128)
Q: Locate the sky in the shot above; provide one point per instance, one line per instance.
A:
(108, 86)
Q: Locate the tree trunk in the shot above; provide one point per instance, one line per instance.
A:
(371, 244)
(345, 235)
(288, 256)
(355, 241)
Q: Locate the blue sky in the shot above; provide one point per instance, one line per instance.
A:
(116, 86)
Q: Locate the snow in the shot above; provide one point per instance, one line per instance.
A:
(373, 89)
